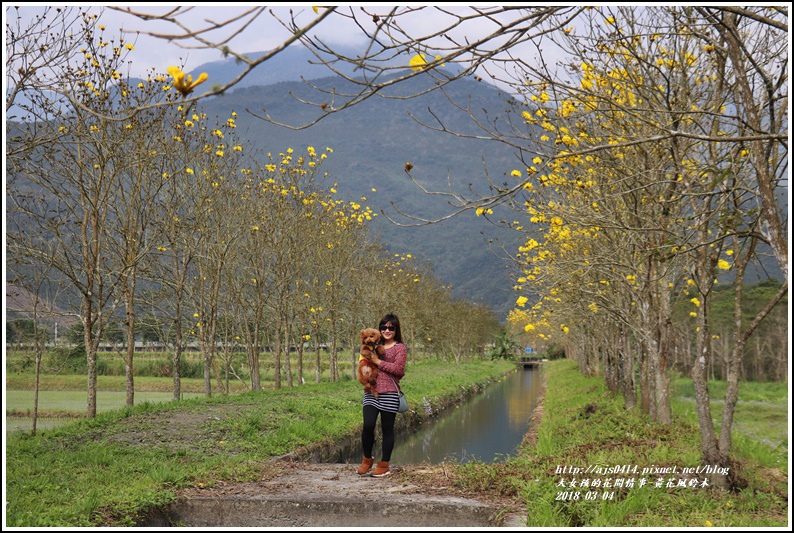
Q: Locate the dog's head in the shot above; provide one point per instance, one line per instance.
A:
(370, 336)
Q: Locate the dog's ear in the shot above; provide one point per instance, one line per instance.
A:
(363, 334)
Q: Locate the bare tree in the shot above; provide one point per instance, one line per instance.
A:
(64, 189)
(38, 50)
(143, 145)
(35, 278)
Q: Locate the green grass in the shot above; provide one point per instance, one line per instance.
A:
(60, 477)
(112, 383)
(72, 403)
(761, 416)
(610, 437)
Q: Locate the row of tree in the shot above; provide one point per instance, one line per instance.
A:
(652, 159)
(167, 214)
(664, 153)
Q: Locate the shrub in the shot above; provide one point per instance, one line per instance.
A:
(66, 359)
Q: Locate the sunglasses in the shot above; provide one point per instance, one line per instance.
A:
(388, 328)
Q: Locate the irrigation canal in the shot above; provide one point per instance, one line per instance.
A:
(488, 428)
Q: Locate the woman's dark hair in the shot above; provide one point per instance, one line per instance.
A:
(391, 317)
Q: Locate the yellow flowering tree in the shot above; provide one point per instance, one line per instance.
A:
(96, 172)
(653, 176)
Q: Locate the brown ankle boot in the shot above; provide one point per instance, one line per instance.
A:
(382, 469)
(366, 464)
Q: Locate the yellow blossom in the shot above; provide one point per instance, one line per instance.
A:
(184, 83)
(417, 62)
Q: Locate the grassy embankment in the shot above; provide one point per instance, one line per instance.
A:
(605, 435)
(59, 478)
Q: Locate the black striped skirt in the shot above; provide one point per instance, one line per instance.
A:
(386, 401)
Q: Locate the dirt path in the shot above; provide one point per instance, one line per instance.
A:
(299, 494)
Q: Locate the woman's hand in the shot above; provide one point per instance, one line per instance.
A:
(375, 359)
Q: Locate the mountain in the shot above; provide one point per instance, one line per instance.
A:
(294, 63)
(372, 141)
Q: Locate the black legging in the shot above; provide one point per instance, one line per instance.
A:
(368, 432)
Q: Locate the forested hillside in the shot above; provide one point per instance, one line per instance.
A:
(371, 144)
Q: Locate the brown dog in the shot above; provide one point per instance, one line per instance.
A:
(367, 370)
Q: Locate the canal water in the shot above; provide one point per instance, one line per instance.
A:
(487, 428)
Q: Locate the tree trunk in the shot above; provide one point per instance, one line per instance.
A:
(645, 397)
(90, 355)
(317, 361)
(128, 287)
(277, 355)
(177, 357)
(708, 441)
(626, 372)
(256, 347)
(663, 409)
(287, 347)
(207, 371)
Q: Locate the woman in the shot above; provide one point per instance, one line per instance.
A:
(390, 367)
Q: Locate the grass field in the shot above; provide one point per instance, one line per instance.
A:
(160, 448)
(60, 407)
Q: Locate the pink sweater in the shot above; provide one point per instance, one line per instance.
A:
(392, 364)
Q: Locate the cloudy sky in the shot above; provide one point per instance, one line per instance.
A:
(249, 34)
(252, 33)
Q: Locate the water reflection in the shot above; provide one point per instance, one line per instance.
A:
(487, 428)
